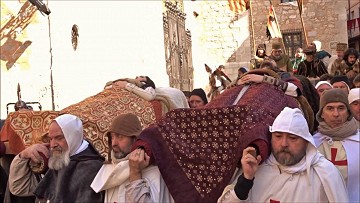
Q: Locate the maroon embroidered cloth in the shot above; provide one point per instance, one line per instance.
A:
(198, 150)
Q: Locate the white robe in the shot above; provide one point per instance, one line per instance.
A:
(352, 148)
(114, 179)
(320, 181)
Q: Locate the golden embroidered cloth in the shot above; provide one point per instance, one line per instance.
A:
(198, 150)
(22, 128)
(97, 112)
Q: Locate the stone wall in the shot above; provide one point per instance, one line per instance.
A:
(220, 36)
(324, 20)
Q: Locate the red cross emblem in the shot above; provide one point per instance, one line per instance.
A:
(333, 157)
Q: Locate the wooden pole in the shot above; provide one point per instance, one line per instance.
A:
(252, 34)
(300, 4)
(51, 75)
(278, 24)
(303, 26)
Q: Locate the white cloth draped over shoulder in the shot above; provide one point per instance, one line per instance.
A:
(111, 178)
(114, 179)
(173, 96)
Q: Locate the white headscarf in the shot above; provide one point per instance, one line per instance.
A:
(354, 95)
(321, 83)
(293, 121)
(72, 128)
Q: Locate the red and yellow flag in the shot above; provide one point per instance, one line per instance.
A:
(239, 6)
(273, 25)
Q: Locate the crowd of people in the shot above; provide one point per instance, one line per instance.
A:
(314, 154)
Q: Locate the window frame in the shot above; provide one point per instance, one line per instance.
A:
(291, 45)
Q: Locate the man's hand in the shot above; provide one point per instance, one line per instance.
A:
(249, 162)
(32, 152)
(138, 160)
(120, 84)
(250, 78)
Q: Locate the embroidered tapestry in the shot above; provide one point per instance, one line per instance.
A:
(22, 128)
(198, 150)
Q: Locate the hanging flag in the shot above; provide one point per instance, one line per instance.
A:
(351, 24)
(239, 6)
(300, 5)
(273, 25)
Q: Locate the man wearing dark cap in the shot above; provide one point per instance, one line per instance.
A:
(259, 56)
(311, 68)
(341, 82)
(335, 67)
(282, 60)
(198, 98)
(129, 177)
(338, 138)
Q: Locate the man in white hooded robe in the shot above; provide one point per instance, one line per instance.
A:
(294, 172)
(73, 164)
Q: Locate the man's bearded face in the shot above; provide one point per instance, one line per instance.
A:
(352, 59)
(287, 158)
(121, 145)
(287, 149)
(59, 158)
(121, 153)
(276, 53)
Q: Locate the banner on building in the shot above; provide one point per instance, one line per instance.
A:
(239, 6)
(351, 24)
(273, 25)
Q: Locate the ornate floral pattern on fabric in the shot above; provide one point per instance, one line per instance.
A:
(97, 112)
(24, 128)
(198, 150)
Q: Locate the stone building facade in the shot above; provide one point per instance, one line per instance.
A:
(323, 20)
(228, 38)
(219, 37)
(177, 43)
